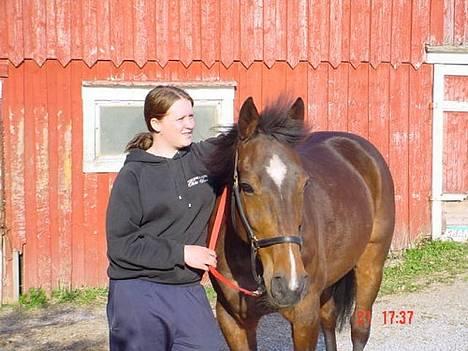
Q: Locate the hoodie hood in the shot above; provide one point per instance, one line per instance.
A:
(139, 155)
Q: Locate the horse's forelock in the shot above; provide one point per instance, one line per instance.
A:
(275, 122)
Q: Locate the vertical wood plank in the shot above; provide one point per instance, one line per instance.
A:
(189, 31)
(251, 31)
(275, 28)
(419, 31)
(140, 30)
(162, 32)
(210, 31)
(101, 245)
(437, 22)
(78, 245)
(51, 29)
(449, 21)
(401, 32)
(230, 32)
(64, 175)
(76, 38)
(89, 31)
(420, 155)
(338, 98)
(117, 32)
(173, 30)
(318, 36)
(380, 32)
(346, 29)
(360, 33)
(358, 101)
(90, 230)
(128, 15)
(63, 31)
(336, 32)
(379, 108)
(35, 30)
(103, 29)
(398, 152)
(317, 107)
(52, 70)
(40, 115)
(297, 32)
(150, 24)
(31, 257)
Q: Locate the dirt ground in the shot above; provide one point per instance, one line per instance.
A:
(438, 323)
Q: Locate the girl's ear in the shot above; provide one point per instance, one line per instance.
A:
(155, 124)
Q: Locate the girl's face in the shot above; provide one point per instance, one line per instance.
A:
(176, 127)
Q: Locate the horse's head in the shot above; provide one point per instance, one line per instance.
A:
(271, 183)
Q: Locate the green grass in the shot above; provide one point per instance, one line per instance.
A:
(210, 293)
(428, 263)
(34, 298)
(37, 297)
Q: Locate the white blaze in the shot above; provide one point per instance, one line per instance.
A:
(293, 283)
(277, 170)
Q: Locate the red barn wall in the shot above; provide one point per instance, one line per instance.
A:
(55, 212)
(358, 65)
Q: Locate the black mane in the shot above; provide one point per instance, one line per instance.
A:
(274, 122)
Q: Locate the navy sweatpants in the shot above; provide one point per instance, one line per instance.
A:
(147, 316)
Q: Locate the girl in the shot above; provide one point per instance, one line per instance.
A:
(157, 219)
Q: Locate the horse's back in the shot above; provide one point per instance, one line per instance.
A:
(357, 152)
(346, 153)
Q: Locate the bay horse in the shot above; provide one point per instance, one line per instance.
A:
(313, 221)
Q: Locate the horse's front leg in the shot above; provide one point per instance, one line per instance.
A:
(239, 335)
(305, 324)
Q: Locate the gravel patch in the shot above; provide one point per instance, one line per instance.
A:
(438, 323)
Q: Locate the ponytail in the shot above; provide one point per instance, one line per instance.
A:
(140, 141)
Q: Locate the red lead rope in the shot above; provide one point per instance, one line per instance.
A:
(212, 245)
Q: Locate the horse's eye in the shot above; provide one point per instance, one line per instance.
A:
(247, 188)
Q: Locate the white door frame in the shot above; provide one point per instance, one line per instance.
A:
(445, 64)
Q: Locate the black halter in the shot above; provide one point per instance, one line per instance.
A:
(256, 244)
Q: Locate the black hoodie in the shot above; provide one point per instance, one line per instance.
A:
(158, 205)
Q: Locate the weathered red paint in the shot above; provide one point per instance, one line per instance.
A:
(358, 65)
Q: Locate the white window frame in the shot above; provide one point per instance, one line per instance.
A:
(445, 64)
(97, 94)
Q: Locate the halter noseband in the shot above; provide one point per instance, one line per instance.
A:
(255, 244)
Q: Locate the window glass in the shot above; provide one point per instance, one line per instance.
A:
(118, 124)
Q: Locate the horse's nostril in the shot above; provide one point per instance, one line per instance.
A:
(277, 286)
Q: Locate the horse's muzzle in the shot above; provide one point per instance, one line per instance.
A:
(283, 295)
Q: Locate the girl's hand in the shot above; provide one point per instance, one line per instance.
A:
(199, 257)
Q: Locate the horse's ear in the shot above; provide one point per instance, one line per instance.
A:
(248, 119)
(297, 110)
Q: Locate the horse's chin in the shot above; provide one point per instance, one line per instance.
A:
(283, 303)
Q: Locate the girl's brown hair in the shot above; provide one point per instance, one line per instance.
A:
(157, 102)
